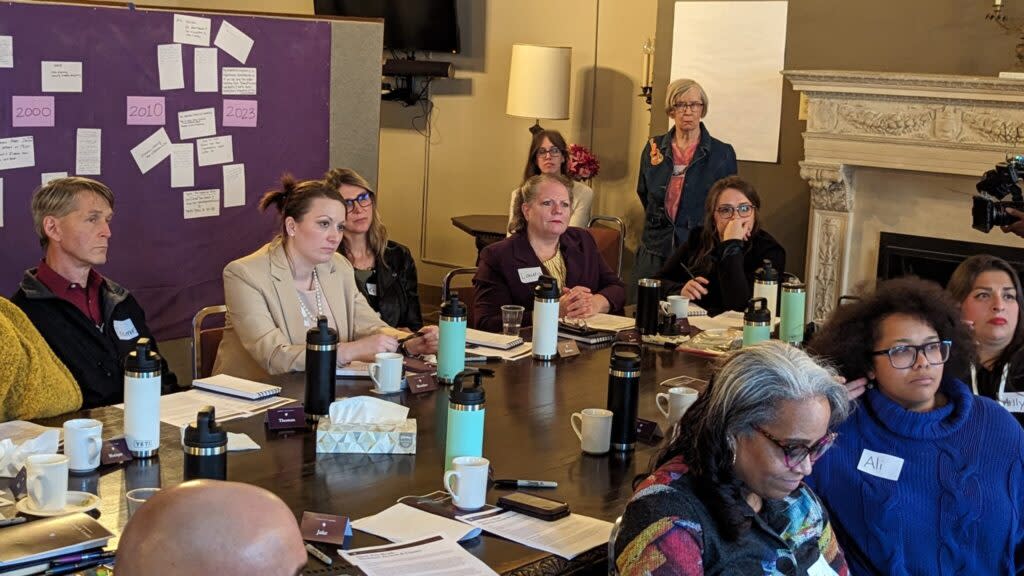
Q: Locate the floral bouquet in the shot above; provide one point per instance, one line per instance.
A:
(583, 165)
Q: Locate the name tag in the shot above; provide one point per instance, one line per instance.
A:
(328, 528)
(880, 465)
(125, 329)
(821, 568)
(371, 289)
(1012, 401)
(527, 275)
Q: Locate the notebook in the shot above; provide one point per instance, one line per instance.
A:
(491, 340)
(34, 542)
(694, 310)
(609, 323)
(582, 334)
(232, 386)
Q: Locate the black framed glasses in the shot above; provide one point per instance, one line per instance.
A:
(554, 151)
(727, 211)
(365, 199)
(695, 106)
(794, 454)
(904, 356)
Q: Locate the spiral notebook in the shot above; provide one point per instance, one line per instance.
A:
(232, 386)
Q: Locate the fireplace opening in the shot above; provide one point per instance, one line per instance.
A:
(934, 258)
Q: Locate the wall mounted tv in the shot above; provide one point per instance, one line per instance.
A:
(425, 25)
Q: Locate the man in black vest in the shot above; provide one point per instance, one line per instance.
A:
(89, 321)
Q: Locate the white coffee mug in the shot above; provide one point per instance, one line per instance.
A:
(469, 475)
(83, 439)
(47, 481)
(674, 403)
(593, 426)
(676, 304)
(386, 372)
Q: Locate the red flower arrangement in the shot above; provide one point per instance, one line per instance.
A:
(583, 165)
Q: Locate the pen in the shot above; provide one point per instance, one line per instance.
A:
(411, 336)
(76, 567)
(72, 558)
(510, 483)
(316, 553)
(11, 521)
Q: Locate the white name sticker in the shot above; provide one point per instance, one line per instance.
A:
(371, 289)
(1013, 401)
(821, 568)
(527, 275)
(881, 465)
(125, 329)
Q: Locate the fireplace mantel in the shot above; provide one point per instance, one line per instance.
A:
(955, 125)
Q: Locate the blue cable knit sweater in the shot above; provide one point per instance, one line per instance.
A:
(957, 506)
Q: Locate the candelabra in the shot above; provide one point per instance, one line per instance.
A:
(647, 68)
(1015, 25)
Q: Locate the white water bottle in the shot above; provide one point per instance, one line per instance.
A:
(545, 318)
(142, 400)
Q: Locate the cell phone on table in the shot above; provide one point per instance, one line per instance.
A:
(535, 506)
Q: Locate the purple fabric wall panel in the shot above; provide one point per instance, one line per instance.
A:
(172, 265)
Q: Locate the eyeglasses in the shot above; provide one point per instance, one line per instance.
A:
(364, 200)
(794, 454)
(554, 151)
(905, 355)
(727, 211)
(695, 106)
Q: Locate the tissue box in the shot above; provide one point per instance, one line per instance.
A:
(366, 438)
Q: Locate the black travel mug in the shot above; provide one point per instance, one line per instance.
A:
(321, 357)
(624, 394)
(206, 448)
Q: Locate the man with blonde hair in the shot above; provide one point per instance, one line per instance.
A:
(89, 321)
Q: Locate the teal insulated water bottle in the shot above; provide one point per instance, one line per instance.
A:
(757, 322)
(466, 401)
(451, 346)
(794, 301)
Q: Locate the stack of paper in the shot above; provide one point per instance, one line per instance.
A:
(568, 537)
(180, 409)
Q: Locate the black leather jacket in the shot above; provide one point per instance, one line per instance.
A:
(398, 299)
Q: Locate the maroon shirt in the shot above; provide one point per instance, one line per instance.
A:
(86, 299)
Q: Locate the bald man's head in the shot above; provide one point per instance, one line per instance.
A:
(212, 527)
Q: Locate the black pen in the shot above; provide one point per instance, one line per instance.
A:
(73, 558)
(72, 568)
(411, 336)
(512, 483)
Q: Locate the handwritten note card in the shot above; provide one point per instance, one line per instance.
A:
(87, 151)
(152, 150)
(233, 41)
(191, 30)
(32, 111)
(1, 202)
(168, 57)
(216, 150)
(48, 177)
(240, 113)
(205, 67)
(6, 51)
(234, 185)
(183, 166)
(196, 123)
(238, 81)
(202, 203)
(19, 152)
(145, 111)
(62, 76)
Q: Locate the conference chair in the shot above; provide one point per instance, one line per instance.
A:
(610, 241)
(467, 293)
(205, 341)
(613, 570)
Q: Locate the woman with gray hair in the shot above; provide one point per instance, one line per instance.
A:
(727, 495)
(676, 171)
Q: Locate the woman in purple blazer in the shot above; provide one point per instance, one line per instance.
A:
(543, 243)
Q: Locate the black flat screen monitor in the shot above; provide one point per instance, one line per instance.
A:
(426, 25)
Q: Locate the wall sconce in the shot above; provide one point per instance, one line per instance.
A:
(647, 71)
(538, 83)
(1016, 26)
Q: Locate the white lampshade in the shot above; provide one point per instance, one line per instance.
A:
(538, 82)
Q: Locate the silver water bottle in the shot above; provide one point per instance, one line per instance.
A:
(545, 318)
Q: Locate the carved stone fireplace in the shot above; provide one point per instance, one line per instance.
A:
(896, 153)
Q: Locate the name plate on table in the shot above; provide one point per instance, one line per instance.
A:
(631, 336)
(114, 452)
(420, 383)
(326, 528)
(647, 431)
(289, 418)
(18, 484)
(568, 349)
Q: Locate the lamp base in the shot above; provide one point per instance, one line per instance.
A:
(536, 127)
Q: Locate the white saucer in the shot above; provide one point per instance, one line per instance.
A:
(77, 502)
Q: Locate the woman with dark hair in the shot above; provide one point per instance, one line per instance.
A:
(925, 478)
(716, 265)
(727, 496)
(385, 270)
(549, 154)
(989, 292)
(276, 294)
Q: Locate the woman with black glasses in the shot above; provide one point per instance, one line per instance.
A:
(716, 265)
(549, 154)
(925, 477)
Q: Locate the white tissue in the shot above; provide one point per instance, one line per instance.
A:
(12, 458)
(367, 410)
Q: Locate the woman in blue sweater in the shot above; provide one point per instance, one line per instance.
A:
(925, 477)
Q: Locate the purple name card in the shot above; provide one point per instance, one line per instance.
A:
(288, 418)
(240, 113)
(32, 111)
(145, 111)
(327, 528)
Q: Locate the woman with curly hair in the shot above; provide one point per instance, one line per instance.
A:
(727, 496)
(925, 477)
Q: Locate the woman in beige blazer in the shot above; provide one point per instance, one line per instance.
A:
(275, 294)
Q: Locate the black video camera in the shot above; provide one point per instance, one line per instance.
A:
(989, 209)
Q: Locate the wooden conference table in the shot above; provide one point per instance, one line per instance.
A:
(527, 435)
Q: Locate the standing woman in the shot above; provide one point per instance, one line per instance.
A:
(549, 154)
(989, 292)
(676, 171)
(385, 270)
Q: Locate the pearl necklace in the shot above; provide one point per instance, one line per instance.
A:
(307, 317)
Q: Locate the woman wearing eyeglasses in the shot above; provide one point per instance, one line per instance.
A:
(676, 171)
(384, 269)
(727, 495)
(925, 477)
(549, 155)
(716, 265)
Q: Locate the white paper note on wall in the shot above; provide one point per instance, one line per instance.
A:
(238, 81)
(87, 151)
(191, 30)
(1, 202)
(62, 76)
(172, 76)
(18, 152)
(48, 177)
(740, 72)
(201, 203)
(234, 185)
(233, 41)
(6, 51)
(216, 150)
(152, 150)
(196, 123)
(205, 66)
(183, 166)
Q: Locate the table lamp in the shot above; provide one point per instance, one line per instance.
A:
(538, 83)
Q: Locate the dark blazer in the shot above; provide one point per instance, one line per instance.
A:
(398, 298)
(497, 277)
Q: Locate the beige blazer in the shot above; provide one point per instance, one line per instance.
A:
(265, 334)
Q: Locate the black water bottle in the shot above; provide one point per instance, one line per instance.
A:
(206, 448)
(624, 394)
(321, 358)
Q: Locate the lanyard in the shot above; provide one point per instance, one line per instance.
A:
(1002, 380)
